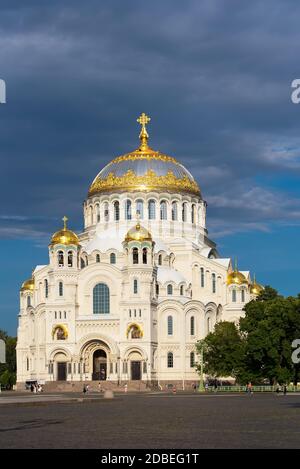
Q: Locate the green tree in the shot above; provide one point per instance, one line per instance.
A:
(8, 369)
(222, 350)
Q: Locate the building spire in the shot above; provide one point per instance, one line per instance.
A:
(65, 219)
(235, 264)
(143, 120)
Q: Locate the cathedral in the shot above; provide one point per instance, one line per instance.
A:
(128, 298)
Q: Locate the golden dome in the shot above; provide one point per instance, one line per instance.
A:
(138, 233)
(65, 236)
(236, 278)
(255, 288)
(144, 170)
(28, 285)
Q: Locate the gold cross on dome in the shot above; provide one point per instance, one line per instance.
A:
(143, 119)
(65, 219)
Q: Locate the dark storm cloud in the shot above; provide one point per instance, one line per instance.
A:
(214, 76)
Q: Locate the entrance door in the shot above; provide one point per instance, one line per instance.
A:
(61, 371)
(99, 365)
(135, 370)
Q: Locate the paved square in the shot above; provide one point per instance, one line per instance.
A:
(153, 421)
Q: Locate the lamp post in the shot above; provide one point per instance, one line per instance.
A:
(201, 384)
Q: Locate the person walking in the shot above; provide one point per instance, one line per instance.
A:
(284, 390)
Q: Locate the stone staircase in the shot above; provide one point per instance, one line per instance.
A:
(77, 386)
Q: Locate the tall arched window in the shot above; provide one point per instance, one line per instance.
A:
(214, 283)
(135, 256)
(170, 325)
(202, 277)
(174, 211)
(192, 360)
(117, 211)
(140, 208)
(243, 296)
(193, 214)
(170, 361)
(97, 213)
(61, 289)
(101, 299)
(82, 263)
(128, 210)
(181, 290)
(46, 288)
(106, 212)
(208, 325)
(170, 289)
(160, 259)
(192, 324)
(70, 259)
(144, 255)
(60, 258)
(151, 209)
(112, 258)
(98, 258)
(91, 215)
(233, 296)
(184, 211)
(135, 286)
(28, 300)
(163, 210)
(157, 289)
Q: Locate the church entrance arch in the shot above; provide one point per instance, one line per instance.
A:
(135, 359)
(61, 366)
(99, 365)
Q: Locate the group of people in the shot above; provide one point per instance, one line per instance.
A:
(36, 388)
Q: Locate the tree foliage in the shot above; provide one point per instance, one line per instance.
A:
(260, 347)
(8, 369)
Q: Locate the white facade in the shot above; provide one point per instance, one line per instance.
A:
(97, 312)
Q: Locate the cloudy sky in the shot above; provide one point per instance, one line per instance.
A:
(215, 77)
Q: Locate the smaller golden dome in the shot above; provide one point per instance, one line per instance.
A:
(138, 233)
(65, 236)
(28, 285)
(255, 288)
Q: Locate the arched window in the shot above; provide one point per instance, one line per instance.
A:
(202, 277)
(46, 288)
(61, 289)
(181, 290)
(144, 255)
(157, 289)
(184, 211)
(112, 258)
(170, 361)
(170, 325)
(160, 259)
(208, 325)
(70, 259)
(140, 208)
(82, 263)
(163, 210)
(27, 364)
(106, 212)
(98, 258)
(233, 296)
(60, 258)
(193, 214)
(28, 300)
(170, 289)
(192, 360)
(214, 284)
(91, 215)
(128, 210)
(135, 256)
(97, 213)
(174, 211)
(116, 211)
(192, 324)
(101, 299)
(135, 286)
(151, 209)
(243, 295)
